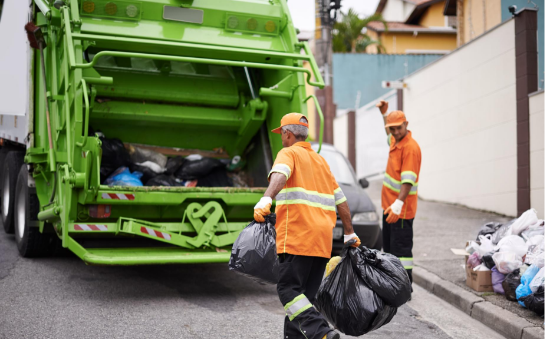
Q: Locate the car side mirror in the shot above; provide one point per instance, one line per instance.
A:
(364, 183)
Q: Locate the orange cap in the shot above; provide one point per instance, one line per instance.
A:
(395, 118)
(290, 119)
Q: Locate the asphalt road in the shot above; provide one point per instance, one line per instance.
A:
(61, 297)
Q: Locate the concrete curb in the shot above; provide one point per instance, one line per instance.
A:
(502, 321)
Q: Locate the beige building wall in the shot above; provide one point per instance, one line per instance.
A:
(399, 43)
(537, 168)
(463, 115)
(434, 17)
(340, 134)
(480, 16)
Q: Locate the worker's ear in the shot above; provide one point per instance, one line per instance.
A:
(406, 124)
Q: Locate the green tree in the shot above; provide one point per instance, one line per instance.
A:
(348, 36)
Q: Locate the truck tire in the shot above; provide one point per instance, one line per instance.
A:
(3, 153)
(10, 169)
(30, 242)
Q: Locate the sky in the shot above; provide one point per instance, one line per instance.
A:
(302, 11)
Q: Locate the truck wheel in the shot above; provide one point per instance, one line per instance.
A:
(3, 153)
(30, 242)
(10, 168)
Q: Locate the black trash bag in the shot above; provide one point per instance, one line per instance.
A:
(114, 155)
(489, 228)
(217, 178)
(254, 252)
(162, 180)
(346, 301)
(173, 164)
(534, 301)
(196, 169)
(385, 275)
(501, 232)
(510, 284)
(488, 261)
(147, 173)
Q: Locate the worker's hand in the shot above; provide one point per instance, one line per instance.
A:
(262, 208)
(393, 212)
(382, 106)
(350, 237)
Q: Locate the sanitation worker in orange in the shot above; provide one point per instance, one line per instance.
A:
(400, 187)
(307, 198)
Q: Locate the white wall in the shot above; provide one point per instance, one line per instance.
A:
(537, 168)
(371, 140)
(340, 133)
(462, 111)
(393, 11)
(408, 9)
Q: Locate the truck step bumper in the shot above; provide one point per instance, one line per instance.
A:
(147, 256)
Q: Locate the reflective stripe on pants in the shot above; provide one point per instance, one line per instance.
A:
(407, 263)
(297, 306)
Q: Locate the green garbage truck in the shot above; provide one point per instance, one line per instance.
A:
(178, 77)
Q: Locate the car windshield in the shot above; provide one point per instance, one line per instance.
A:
(339, 167)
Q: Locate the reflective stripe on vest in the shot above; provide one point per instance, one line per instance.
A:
(407, 263)
(408, 177)
(339, 196)
(297, 306)
(299, 195)
(395, 185)
(281, 168)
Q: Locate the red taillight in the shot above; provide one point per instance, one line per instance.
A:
(100, 211)
(35, 36)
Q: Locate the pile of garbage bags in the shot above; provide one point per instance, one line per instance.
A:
(363, 291)
(514, 252)
(254, 252)
(135, 166)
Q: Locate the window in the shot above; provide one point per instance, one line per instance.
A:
(339, 167)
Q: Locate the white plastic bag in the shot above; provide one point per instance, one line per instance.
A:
(536, 249)
(514, 244)
(524, 221)
(152, 166)
(506, 262)
(481, 267)
(538, 280)
(486, 245)
(534, 229)
(535, 240)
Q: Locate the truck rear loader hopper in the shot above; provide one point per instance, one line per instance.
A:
(211, 77)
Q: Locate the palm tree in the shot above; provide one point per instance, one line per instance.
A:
(348, 36)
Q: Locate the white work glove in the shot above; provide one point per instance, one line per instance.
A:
(350, 237)
(394, 211)
(262, 208)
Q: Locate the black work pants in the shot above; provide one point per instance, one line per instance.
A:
(397, 239)
(300, 278)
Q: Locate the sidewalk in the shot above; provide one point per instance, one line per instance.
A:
(438, 227)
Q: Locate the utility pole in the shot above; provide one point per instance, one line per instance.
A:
(324, 58)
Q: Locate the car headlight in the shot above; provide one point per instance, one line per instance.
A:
(365, 216)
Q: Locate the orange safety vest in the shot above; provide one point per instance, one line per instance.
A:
(305, 207)
(403, 168)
